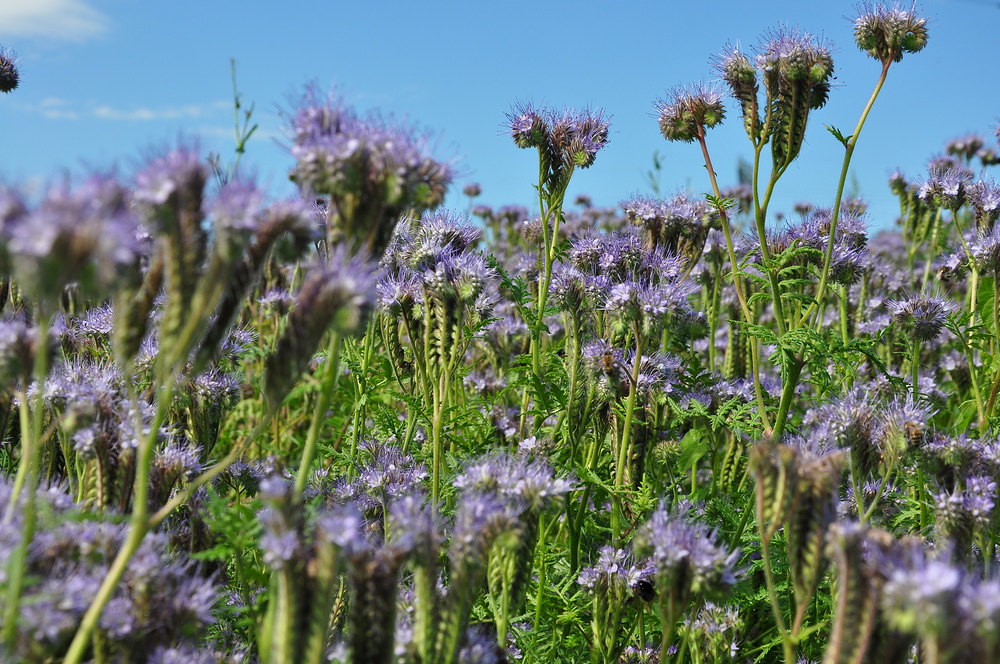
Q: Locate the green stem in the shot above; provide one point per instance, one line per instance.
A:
(331, 372)
(436, 442)
(848, 153)
(138, 524)
(622, 459)
(737, 281)
(540, 597)
(786, 641)
(792, 369)
(28, 470)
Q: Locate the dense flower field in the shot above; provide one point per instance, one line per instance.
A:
(357, 427)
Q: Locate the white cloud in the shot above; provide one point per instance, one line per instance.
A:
(55, 108)
(69, 20)
(142, 113)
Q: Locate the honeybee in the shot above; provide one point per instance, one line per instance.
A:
(914, 434)
(608, 362)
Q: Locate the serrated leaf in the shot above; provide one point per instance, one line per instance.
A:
(843, 140)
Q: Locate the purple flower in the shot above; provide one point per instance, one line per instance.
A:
(338, 150)
(616, 570)
(86, 236)
(886, 31)
(479, 519)
(9, 75)
(686, 112)
(735, 68)
(530, 481)
(389, 476)
(921, 597)
(178, 175)
(568, 138)
(678, 226)
(922, 315)
(415, 529)
(345, 527)
(965, 147)
(578, 136)
(984, 197)
(568, 289)
(984, 250)
(527, 126)
(398, 293)
(685, 555)
(422, 244)
(372, 168)
(790, 55)
(236, 211)
(946, 185)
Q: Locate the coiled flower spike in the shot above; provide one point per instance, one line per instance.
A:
(887, 31)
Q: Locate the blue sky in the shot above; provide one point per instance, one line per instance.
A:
(104, 81)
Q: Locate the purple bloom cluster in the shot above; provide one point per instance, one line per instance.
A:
(685, 555)
(435, 258)
(528, 481)
(342, 154)
(946, 185)
(984, 198)
(886, 31)
(686, 112)
(85, 236)
(922, 315)
(618, 568)
(679, 225)
(389, 476)
(164, 600)
(573, 138)
(960, 513)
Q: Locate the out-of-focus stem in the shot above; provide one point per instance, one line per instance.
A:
(331, 372)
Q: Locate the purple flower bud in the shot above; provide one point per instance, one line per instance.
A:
(686, 112)
(9, 75)
(887, 31)
(567, 140)
(984, 197)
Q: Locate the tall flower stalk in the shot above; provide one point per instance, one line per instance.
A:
(565, 141)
